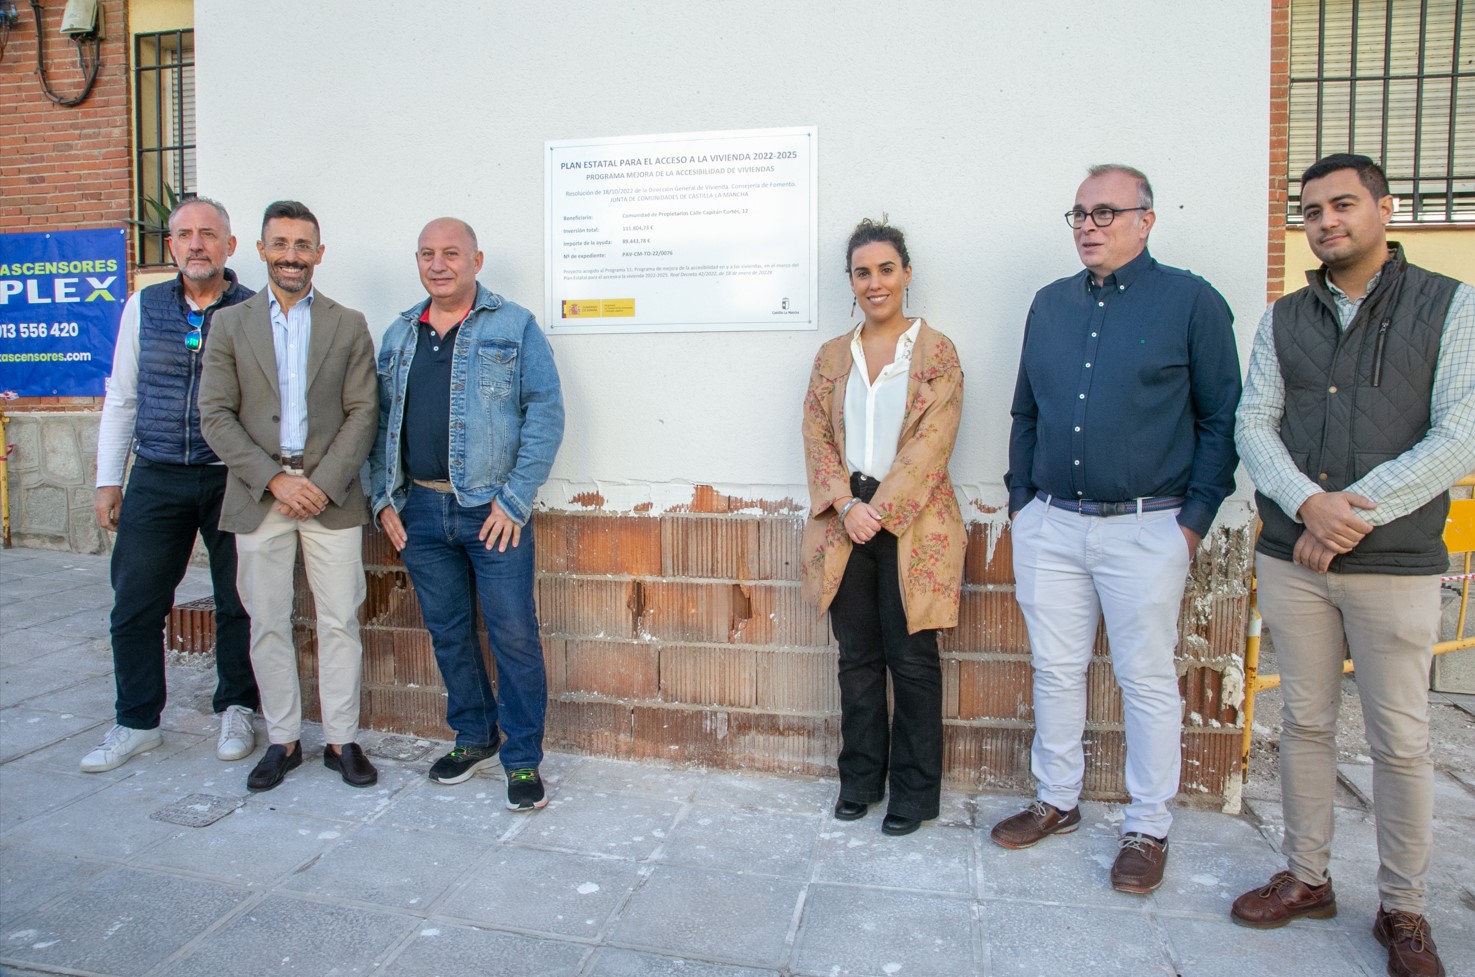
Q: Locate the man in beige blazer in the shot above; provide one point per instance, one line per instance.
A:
(289, 401)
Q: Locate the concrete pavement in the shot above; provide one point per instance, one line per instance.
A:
(167, 866)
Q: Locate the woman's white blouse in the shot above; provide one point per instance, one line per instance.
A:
(874, 411)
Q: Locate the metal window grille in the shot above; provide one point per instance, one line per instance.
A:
(1394, 80)
(164, 84)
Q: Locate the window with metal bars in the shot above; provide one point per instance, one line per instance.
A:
(164, 87)
(1393, 80)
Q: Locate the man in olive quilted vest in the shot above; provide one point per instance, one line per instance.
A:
(1357, 416)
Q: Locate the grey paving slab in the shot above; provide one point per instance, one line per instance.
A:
(388, 867)
(287, 936)
(95, 697)
(1034, 940)
(850, 931)
(1307, 948)
(110, 823)
(776, 794)
(24, 730)
(600, 823)
(58, 669)
(1450, 908)
(25, 794)
(474, 809)
(17, 646)
(934, 858)
(250, 846)
(613, 962)
(442, 950)
(1213, 828)
(543, 892)
(715, 916)
(315, 790)
(600, 774)
(1208, 878)
(192, 766)
(124, 922)
(33, 878)
(744, 841)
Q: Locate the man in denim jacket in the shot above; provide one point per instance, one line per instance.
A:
(470, 418)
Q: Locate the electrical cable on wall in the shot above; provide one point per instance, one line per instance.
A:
(84, 42)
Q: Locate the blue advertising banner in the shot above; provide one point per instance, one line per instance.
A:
(61, 296)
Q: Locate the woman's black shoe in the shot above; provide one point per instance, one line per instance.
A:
(850, 810)
(899, 824)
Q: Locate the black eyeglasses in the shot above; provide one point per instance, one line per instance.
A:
(194, 338)
(1100, 216)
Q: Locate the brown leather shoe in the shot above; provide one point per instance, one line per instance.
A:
(1411, 951)
(1139, 864)
(355, 768)
(1281, 900)
(1033, 824)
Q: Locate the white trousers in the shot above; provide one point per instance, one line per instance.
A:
(335, 571)
(1071, 570)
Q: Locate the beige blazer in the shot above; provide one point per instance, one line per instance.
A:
(241, 406)
(915, 499)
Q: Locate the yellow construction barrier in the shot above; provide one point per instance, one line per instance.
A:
(1459, 537)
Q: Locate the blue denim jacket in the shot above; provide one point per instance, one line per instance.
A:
(506, 408)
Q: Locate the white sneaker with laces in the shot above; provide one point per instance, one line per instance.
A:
(237, 737)
(119, 746)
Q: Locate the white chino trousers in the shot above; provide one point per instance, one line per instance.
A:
(1070, 570)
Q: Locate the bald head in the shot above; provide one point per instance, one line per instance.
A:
(451, 225)
(449, 263)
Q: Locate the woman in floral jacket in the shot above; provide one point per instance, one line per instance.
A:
(883, 548)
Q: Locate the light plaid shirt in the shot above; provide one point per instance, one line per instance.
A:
(1400, 485)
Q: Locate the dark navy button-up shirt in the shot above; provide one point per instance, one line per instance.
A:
(1127, 390)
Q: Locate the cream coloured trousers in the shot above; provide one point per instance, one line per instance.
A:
(1390, 624)
(335, 571)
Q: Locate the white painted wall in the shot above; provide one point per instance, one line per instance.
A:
(970, 123)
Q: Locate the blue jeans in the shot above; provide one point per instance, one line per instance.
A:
(164, 508)
(445, 561)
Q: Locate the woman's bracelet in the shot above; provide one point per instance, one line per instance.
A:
(845, 509)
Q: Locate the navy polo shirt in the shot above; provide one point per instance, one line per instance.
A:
(426, 438)
(1127, 390)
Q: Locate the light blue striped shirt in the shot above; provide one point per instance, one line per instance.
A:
(290, 333)
(1400, 485)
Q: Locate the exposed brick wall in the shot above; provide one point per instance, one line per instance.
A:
(683, 637)
(1280, 134)
(65, 168)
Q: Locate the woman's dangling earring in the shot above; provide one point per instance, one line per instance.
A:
(906, 297)
(853, 306)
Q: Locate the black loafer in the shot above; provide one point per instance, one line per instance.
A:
(356, 769)
(273, 767)
(899, 824)
(850, 810)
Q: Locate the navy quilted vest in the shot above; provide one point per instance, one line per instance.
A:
(167, 428)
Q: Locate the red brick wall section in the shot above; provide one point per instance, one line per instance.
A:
(1280, 129)
(64, 168)
(682, 637)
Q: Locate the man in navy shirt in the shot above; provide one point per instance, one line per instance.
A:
(1121, 452)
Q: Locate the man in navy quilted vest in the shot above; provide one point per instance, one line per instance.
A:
(1357, 417)
(174, 491)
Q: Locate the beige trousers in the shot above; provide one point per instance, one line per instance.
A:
(1389, 623)
(335, 571)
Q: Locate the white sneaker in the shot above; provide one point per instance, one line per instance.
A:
(237, 738)
(119, 746)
